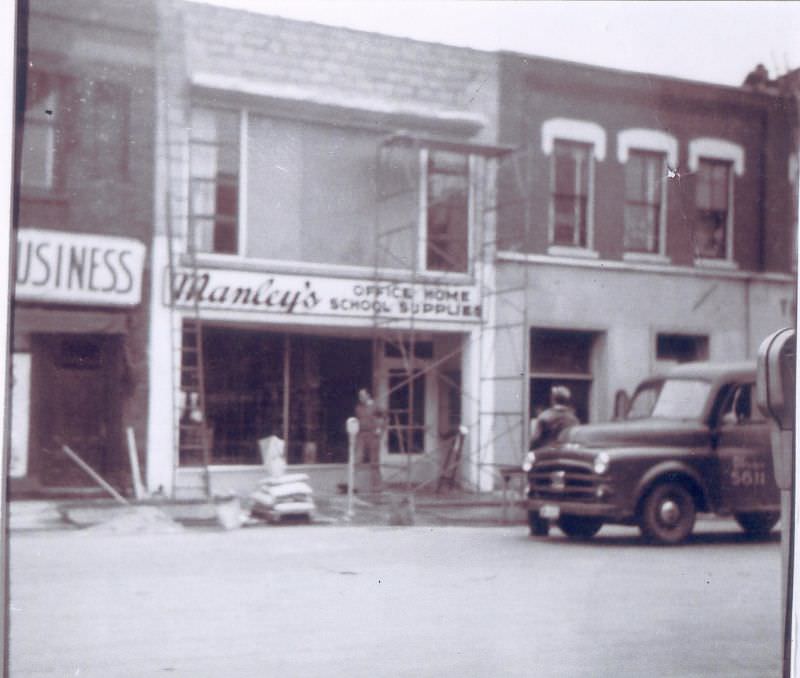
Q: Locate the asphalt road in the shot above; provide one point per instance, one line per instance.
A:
(392, 601)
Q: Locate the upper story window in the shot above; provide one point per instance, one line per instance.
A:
(715, 161)
(40, 131)
(109, 140)
(447, 212)
(214, 180)
(646, 155)
(573, 146)
(713, 202)
(644, 201)
(570, 193)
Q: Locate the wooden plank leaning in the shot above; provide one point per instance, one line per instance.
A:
(94, 475)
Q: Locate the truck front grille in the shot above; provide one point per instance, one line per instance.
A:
(562, 480)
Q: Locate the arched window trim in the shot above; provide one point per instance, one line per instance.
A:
(574, 130)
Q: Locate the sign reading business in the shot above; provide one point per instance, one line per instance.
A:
(288, 294)
(77, 268)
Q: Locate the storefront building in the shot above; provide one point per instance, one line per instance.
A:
(644, 221)
(324, 231)
(83, 224)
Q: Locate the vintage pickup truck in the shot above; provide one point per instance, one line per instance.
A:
(693, 441)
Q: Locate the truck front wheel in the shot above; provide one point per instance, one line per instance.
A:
(757, 524)
(667, 513)
(539, 527)
(580, 527)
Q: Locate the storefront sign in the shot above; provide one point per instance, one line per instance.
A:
(20, 413)
(72, 268)
(311, 295)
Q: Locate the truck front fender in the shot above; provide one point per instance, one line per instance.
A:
(674, 471)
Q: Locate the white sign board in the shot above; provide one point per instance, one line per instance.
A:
(76, 268)
(20, 413)
(297, 295)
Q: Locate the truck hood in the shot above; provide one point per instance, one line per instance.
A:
(642, 433)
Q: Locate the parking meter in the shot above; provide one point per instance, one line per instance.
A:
(352, 431)
(775, 393)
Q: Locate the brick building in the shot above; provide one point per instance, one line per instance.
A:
(83, 221)
(644, 220)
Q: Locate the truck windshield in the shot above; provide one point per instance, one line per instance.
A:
(681, 399)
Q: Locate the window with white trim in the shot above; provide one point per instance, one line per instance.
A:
(715, 162)
(713, 195)
(570, 193)
(214, 180)
(644, 201)
(447, 212)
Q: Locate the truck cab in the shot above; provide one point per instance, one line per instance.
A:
(695, 442)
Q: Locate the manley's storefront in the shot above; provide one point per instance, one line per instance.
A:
(286, 354)
(73, 378)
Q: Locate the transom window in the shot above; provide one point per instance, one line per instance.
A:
(214, 180)
(570, 193)
(713, 202)
(644, 191)
(447, 242)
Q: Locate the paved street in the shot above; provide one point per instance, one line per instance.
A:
(384, 601)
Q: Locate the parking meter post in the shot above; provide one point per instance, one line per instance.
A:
(775, 393)
(352, 432)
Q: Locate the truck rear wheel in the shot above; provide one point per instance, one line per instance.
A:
(580, 527)
(539, 527)
(757, 524)
(667, 513)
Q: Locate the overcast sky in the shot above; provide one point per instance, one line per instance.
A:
(711, 41)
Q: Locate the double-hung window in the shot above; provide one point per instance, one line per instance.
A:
(644, 194)
(573, 146)
(713, 194)
(39, 135)
(448, 213)
(214, 180)
(714, 163)
(569, 193)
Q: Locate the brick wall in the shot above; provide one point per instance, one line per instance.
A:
(533, 90)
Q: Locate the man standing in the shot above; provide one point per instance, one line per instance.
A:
(370, 428)
(560, 416)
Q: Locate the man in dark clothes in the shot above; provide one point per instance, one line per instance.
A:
(560, 416)
(545, 430)
(370, 428)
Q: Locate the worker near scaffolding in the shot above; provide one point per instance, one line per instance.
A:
(560, 416)
(371, 424)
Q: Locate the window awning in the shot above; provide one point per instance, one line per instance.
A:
(446, 144)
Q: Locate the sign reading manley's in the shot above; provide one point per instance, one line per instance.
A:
(289, 294)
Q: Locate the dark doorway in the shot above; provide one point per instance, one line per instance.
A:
(76, 401)
(345, 367)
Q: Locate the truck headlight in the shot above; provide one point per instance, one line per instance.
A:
(601, 462)
(528, 463)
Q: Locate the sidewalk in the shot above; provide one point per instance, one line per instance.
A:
(389, 507)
